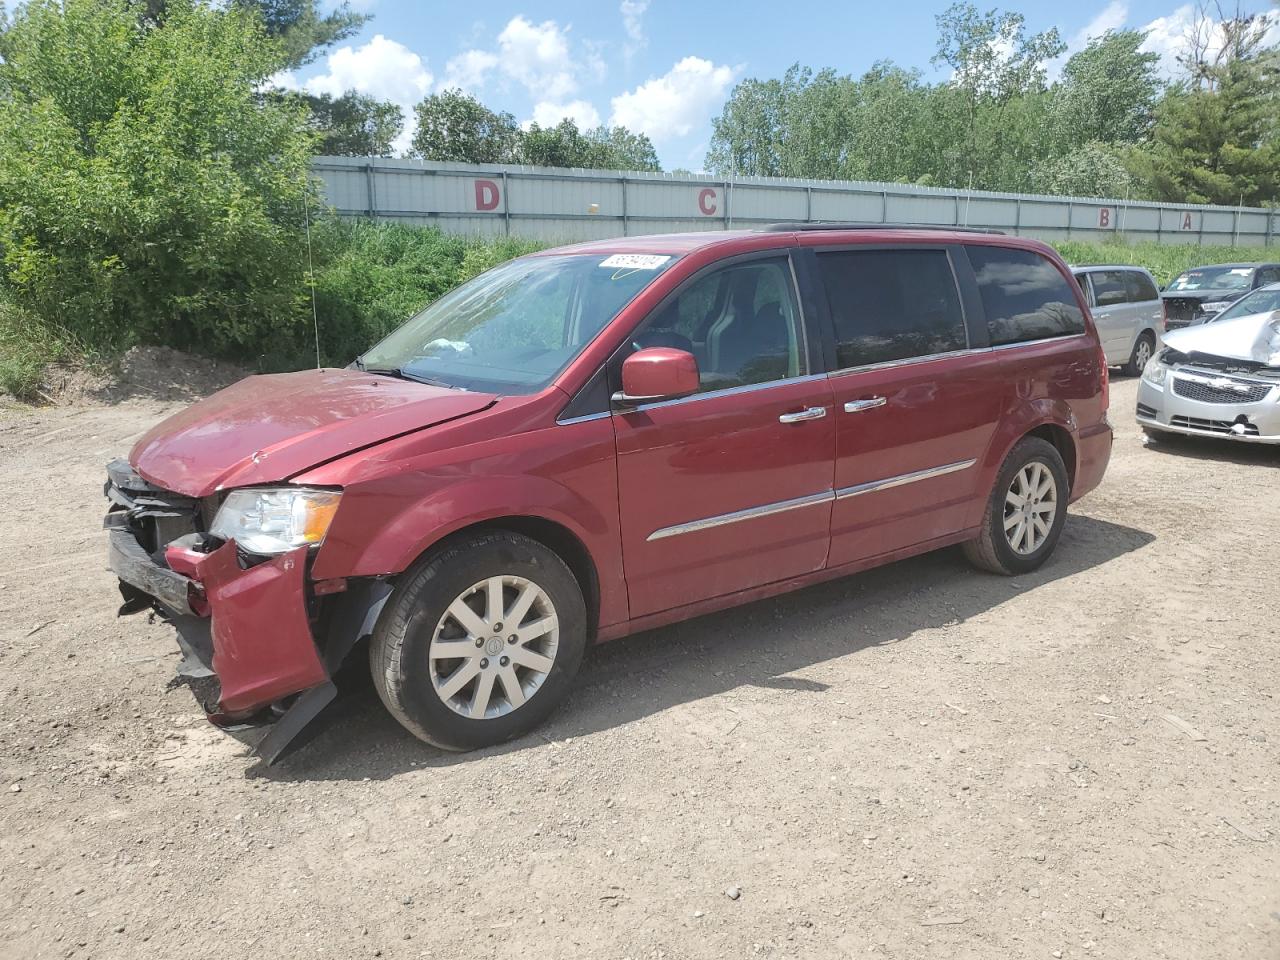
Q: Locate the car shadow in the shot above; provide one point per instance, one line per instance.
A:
(1215, 450)
(759, 644)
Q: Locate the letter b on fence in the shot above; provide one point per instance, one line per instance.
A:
(487, 195)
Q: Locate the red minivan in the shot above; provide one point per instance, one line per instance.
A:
(604, 438)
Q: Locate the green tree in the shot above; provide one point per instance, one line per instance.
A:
(353, 125)
(148, 193)
(1216, 145)
(453, 125)
(994, 63)
(625, 150)
(1089, 170)
(1109, 90)
(302, 29)
(299, 25)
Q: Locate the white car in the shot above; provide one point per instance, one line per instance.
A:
(1127, 310)
(1220, 378)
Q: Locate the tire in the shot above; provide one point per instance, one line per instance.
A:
(994, 549)
(509, 678)
(1143, 350)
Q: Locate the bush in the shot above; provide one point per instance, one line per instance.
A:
(371, 277)
(26, 346)
(148, 193)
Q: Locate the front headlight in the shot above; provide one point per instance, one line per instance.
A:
(275, 519)
(1216, 306)
(1155, 371)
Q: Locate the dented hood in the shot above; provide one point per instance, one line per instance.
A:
(269, 428)
(1255, 338)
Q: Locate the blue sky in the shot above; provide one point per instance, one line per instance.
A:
(664, 67)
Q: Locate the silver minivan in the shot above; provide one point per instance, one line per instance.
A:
(1127, 310)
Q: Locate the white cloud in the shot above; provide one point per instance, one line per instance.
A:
(677, 103)
(381, 68)
(1110, 17)
(1172, 36)
(548, 114)
(537, 56)
(633, 12)
(468, 70)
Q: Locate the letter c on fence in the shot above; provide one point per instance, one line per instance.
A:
(1104, 217)
(487, 195)
(707, 201)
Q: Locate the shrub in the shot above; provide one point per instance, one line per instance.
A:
(148, 194)
(371, 277)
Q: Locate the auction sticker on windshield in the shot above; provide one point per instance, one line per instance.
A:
(635, 261)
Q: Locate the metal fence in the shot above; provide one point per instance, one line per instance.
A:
(552, 204)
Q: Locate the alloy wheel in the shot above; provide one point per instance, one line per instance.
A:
(1030, 505)
(1141, 354)
(494, 647)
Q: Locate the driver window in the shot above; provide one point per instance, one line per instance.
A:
(741, 323)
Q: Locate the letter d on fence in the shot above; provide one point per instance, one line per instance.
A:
(487, 195)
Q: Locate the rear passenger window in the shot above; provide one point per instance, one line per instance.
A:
(1024, 295)
(892, 305)
(1141, 287)
(1109, 288)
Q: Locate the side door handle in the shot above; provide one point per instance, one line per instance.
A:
(810, 413)
(857, 406)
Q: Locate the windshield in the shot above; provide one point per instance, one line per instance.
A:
(512, 329)
(1260, 301)
(1213, 278)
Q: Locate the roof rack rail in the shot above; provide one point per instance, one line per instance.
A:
(816, 225)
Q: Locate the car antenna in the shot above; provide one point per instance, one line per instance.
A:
(311, 275)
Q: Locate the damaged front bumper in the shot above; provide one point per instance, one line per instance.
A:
(258, 653)
(1207, 403)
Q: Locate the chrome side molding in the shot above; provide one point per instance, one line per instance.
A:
(751, 513)
(903, 478)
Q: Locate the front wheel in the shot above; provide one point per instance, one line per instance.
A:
(1025, 512)
(480, 643)
(1143, 349)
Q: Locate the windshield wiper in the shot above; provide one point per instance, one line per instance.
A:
(401, 374)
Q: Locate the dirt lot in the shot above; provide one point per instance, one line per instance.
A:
(917, 762)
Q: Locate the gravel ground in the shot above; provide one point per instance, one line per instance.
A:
(918, 762)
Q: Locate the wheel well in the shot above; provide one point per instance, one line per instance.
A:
(1060, 437)
(554, 537)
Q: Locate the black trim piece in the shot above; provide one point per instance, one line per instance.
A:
(592, 399)
(975, 314)
(817, 309)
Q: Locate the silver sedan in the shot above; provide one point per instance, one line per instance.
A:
(1221, 378)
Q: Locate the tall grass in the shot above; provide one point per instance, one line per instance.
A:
(1165, 261)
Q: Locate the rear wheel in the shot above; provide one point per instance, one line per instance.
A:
(1025, 512)
(480, 643)
(1143, 349)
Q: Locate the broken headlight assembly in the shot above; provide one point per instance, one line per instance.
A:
(1155, 371)
(270, 520)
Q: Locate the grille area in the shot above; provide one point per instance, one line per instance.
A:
(1145, 411)
(1212, 426)
(1228, 390)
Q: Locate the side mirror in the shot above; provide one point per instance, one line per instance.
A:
(657, 373)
